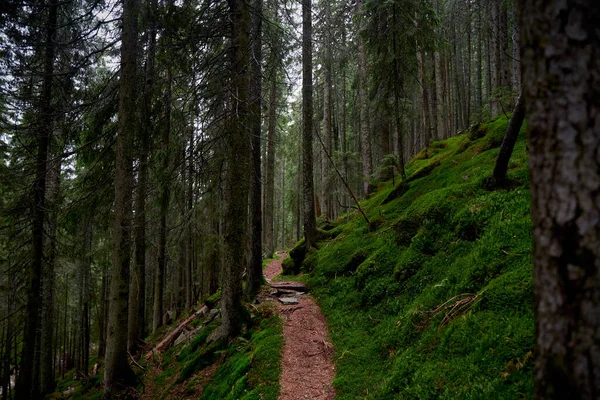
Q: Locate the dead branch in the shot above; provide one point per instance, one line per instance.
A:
(170, 338)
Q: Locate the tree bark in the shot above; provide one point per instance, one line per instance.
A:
(508, 143)
(239, 162)
(495, 68)
(327, 117)
(117, 372)
(270, 179)
(137, 294)
(26, 388)
(254, 276)
(159, 280)
(47, 381)
(365, 139)
(560, 49)
(308, 192)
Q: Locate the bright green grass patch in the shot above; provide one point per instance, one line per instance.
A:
(433, 299)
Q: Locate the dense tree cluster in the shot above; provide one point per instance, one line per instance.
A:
(152, 153)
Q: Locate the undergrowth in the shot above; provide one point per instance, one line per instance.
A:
(433, 300)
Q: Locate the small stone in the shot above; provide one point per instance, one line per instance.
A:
(289, 300)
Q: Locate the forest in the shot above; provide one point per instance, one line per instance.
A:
(312, 199)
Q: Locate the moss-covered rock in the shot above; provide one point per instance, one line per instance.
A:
(397, 192)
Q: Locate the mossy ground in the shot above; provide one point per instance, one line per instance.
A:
(247, 368)
(433, 299)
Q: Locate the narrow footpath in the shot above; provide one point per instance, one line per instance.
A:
(307, 366)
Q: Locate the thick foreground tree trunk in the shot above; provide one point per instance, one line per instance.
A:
(560, 52)
(117, 372)
(238, 167)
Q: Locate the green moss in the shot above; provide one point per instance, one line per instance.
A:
(288, 266)
(251, 368)
(444, 239)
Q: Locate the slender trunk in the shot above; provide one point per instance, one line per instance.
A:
(47, 382)
(424, 101)
(117, 372)
(479, 89)
(365, 140)
(137, 295)
(159, 280)
(495, 57)
(397, 100)
(26, 387)
(308, 193)
(270, 181)
(254, 276)
(327, 118)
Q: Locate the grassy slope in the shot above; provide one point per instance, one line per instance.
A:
(434, 299)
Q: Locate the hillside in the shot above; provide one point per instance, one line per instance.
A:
(433, 299)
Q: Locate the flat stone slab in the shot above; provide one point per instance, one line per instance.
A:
(296, 286)
(288, 300)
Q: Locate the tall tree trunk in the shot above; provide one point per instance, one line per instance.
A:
(479, 89)
(424, 101)
(238, 168)
(516, 59)
(254, 276)
(159, 280)
(270, 179)
(47, 381)
(26, 388)
(83, 330)
(439, 93)
(189, 263)
(327, 117)
(560, 49)
(308, 192)
(495, 66)
(397, 100)
(365, 139)
(137, 294)
(117, 372)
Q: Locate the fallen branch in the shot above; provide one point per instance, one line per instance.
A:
(170, 338)
(135, 363)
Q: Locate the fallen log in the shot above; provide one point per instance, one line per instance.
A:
(170, 338)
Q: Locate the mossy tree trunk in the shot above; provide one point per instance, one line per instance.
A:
(560, 49)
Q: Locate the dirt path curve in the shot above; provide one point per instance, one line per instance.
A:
(307, 366)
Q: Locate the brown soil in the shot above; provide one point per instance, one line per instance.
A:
(274, 267)
(307, 366)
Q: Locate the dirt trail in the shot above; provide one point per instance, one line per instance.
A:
(307, 366)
